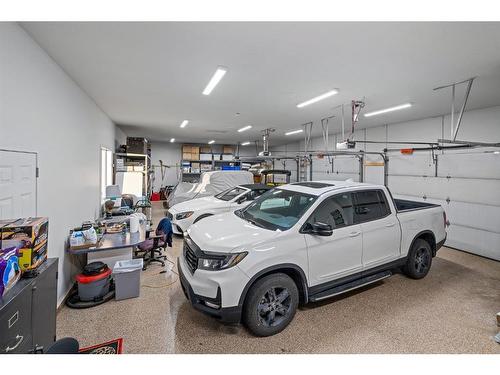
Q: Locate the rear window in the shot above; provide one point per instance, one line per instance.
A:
(369, 205)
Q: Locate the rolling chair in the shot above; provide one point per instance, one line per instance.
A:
(155, 244)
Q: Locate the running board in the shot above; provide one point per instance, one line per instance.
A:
(350, 286)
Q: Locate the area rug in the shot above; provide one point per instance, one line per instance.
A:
(111, 347)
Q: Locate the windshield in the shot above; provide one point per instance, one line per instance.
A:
(230, 194)
(277, 209)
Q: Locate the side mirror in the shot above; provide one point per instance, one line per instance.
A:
(319, 229)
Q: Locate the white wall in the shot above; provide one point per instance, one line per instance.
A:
(43, 110)
(120, 137)
(467, 184)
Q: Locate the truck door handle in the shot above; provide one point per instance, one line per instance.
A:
(354, 234)
(389, 225)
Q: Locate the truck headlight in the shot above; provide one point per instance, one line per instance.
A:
(183, 215)
(220, 262)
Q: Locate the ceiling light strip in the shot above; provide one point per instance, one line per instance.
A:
(244, 128)
(219, 73)
(391, 109)
(294, 132)
(318, 98)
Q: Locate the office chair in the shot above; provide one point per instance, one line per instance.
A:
(155, 244)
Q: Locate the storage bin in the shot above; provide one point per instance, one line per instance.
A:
(127, 275)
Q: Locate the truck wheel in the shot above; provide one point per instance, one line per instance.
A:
(419, 260)
(270, 304)
(201, 217)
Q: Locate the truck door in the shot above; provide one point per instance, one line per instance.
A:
(338, 255)
(380, 227)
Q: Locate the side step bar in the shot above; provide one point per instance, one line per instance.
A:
(350, 286)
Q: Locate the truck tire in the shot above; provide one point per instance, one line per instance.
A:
(270, 304)
(419, 259)
(201, 217)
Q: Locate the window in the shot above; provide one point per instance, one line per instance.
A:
(106, 171)
(369, 205)
(230, 194)
(254, 194)
(277, 209)
(337, 211)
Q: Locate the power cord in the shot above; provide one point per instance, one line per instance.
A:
(162, 272)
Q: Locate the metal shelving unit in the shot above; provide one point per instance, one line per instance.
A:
(188, 175)
(127, 163)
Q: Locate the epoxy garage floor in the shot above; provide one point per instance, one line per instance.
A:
(452, 310)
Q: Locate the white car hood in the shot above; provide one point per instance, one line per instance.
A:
(227, 232)
(199, 204)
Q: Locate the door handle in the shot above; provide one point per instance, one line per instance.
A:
(354, 234)
(389, 225)
(19, 339)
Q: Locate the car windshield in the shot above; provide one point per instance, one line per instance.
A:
(230, 194)
(277, 209)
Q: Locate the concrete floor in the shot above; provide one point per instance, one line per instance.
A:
(452, 310)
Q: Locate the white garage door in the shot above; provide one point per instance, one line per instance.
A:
(17, 184)
(467, 186)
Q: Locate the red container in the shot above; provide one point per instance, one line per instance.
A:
(155, 197)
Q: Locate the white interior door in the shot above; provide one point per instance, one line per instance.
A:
(17, 184)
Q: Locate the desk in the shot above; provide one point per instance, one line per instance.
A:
(113, 247)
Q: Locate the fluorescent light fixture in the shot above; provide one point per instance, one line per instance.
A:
(219, 73)
(318, 98)
(212, 141)
(396, 108)
(245, 143)
(172, 140)
(184, 123)
(244, 128)
(294, 132)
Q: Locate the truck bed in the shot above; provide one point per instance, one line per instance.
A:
(406, 205)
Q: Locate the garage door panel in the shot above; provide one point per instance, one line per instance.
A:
(461, 190)
(485, 243)
(417, 164)
(471, 165)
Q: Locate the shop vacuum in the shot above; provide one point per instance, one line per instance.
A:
(94, 286)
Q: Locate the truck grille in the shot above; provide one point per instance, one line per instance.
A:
(191, 258)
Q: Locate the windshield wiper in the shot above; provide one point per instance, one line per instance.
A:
(252, 221)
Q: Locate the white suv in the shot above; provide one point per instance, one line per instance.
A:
(301, 243)
(184, 214)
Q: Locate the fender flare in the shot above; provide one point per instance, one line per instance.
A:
(303, 289)
(419, 235)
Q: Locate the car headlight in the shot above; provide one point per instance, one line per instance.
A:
(220, 262)
(183, 215)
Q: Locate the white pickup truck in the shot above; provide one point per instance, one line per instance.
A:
(301, 243)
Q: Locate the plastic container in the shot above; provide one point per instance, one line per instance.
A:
(93, 287)
(127, 275)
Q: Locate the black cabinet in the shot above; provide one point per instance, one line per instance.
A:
(28, 312)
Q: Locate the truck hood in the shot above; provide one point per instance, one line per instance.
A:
(227, 233)
(199, 204)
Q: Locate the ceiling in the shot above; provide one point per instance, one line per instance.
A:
(148, 77)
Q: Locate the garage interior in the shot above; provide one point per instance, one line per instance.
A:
(413, 106)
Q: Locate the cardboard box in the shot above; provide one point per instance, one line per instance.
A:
(195, 150)
(195, 165)
(34, 231)
(205, 150)
(186, 156)
(228, 150)
(186, 148)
